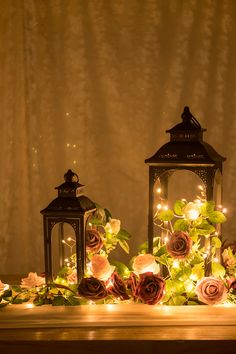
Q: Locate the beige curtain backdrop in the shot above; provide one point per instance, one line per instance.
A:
(92, 85)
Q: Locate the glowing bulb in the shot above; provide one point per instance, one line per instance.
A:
(68, 238)
(66, 260)
(175, 264)
(200, 187)
(63, 241)
(74, 162)
(166, 239)
(158, 190)
(216, 259)
(29, 306)
(165, 207)
(68, 145)
(67, 113)
(68, 264)
(159, 206)
(90, 224)
(220, 206)
(193, 214)
(74, 146)
(224, 210)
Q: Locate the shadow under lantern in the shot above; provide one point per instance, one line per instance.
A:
(73, 208)
(186, 150)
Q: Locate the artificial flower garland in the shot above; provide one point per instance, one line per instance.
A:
(182, 255)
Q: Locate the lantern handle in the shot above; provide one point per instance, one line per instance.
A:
(188, 117)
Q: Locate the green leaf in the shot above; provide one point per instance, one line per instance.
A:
(217, 270)
(193, 234)
(178, 207)
(124, 245)
(207, 208)
(166, 215)
(216, 242)
(198, 271)
(205, 229)
(162, 250)
(121, 268)
(108, 215)
(174, 286)
(59, 301)
(217, 217)
(181, 225)
(123, 235)
(192, 302)
(16, 288)
(177, 300)
(95, 221)
(74, 301)
(7, 293)
(143, 247)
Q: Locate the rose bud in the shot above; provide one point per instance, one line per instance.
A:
(117, 287)
(144, 263)
(179, 245)
(93, 241)
(211, 290)
(132, 284)
(92, 289)
(150, 288)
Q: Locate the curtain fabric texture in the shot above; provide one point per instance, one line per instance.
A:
(92, 85)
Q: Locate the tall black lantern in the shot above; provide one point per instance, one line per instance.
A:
(186, 150)
(73, 208)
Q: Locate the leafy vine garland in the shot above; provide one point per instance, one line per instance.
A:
(173, 275)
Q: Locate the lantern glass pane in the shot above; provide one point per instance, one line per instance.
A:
(184, 184)
(63, 246)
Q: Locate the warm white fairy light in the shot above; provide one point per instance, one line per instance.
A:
(66, 260)
(74, 162)
(165, 207)
(166, 239)
(159, 190)
(159, 206)
(175, 263)
(216, 259)
(29, 306)
(69, 239)
(68, 144)
(224, 210)
(90, 224)
(74, 145)
(200, 187)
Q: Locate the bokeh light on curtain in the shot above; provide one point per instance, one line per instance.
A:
(92, 85)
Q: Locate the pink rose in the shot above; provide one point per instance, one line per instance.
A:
(93, 241)
(32, 280)
(179, 245)
(144, 263)
(116, 287)
(100, 267)
(150, 288)
(211, 290)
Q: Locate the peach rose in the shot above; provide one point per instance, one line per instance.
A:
(113, 226)
(32, 280)
(100, 267)
(211, 291)
(72, 277)
(144, 263)
(3, 286)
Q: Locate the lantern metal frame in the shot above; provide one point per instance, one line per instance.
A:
(186, 151)
(71, 207)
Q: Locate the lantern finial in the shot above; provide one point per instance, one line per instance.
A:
(189, 119)
(71, 176)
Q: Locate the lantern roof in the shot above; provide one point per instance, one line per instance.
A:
(186, 145)
(70, 197)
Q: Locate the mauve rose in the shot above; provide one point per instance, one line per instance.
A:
(144, 263)
(132, 282)
(150, 288)
(93, 241)
(32, 280)
(179, 244)
(211, 290)
(101, 268)
(116, 287)
(92, 289)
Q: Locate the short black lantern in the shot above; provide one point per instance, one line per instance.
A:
(73, 208)
(186, 150)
